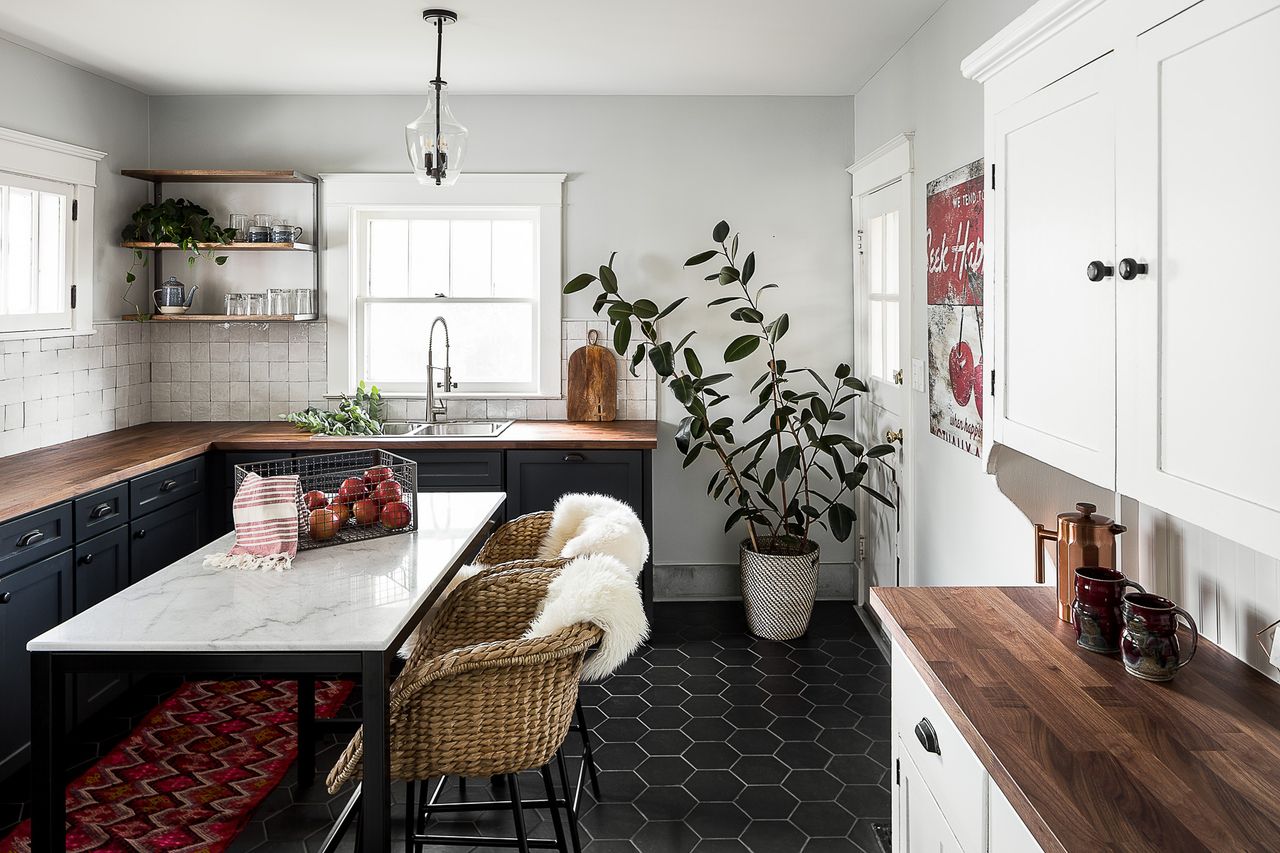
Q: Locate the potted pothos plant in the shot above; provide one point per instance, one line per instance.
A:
(183, 223)
(795, 473)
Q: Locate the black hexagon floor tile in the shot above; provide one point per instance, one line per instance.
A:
(709, 740)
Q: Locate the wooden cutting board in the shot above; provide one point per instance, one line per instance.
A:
(593, 383)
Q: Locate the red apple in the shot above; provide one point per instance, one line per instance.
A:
(395, 515)
(978, 379)
(351, 490)
(324, 524)
(376, 475)
(365, 511)
(315, 499)
(387, 492)
(344, 513)
(960, 364)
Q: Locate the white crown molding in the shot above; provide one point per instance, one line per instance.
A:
(9, 135)
(887, 163)
(1028, 31)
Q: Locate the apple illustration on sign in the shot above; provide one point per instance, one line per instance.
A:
(960, 363)
(977, 384)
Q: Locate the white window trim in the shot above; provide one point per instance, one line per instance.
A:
(345, 196)
(64, 163)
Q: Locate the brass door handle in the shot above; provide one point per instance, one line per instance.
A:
(897, 376)
(891, 435)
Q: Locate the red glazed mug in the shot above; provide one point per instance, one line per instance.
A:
(1149, 643)
(1095, 612)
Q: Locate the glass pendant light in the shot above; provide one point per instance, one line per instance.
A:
(435, 139)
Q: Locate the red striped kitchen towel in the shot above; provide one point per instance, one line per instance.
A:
(266, 512)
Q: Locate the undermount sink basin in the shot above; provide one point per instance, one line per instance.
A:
(470, 429)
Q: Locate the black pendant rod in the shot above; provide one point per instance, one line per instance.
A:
(439, 158)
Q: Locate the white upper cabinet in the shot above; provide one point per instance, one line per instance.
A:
(1139, 136)
(1201, 134)
(1053, 212)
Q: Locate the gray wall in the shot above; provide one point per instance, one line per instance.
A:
(649, 177)
(50, 98)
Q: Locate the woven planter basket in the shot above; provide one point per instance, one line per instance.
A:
(778, 591)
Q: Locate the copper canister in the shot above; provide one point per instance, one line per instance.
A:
(1084, 539)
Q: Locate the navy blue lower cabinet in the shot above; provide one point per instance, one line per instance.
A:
(101, 570)
(165, 536)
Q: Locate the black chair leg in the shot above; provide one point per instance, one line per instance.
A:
(350, 812)
(462, 789)
(554, 805)
(410, 814)
(517, 812)
(587, 755)
(570, 801)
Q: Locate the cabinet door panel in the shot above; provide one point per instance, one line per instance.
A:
(1054, 213)
(537, 478)
(1198, 328)
(35, 599)
(919, 825)
(101, 570)
(161, 537)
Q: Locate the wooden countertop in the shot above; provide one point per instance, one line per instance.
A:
(1090, 757)
(49, 475)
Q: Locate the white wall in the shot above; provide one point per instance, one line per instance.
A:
(975, 528)
(52, 99)
(649, 177)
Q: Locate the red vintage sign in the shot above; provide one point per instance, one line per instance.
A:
(953, 239)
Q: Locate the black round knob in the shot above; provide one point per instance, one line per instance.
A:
(1131, 269)
(5, 597)
(86, 559)
(1097, 271)
(140, 534)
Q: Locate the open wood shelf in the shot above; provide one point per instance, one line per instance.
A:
(230, 247)
(226, 318)
(221, 176)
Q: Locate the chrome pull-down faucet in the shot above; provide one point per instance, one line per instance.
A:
(436, 409)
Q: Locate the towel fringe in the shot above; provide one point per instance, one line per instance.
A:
(250, 562)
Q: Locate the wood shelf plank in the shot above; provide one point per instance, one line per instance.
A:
(221, 176)
(225, 318)
(229, 247)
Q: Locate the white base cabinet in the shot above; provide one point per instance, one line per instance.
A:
(943, 798)
(1131, 299)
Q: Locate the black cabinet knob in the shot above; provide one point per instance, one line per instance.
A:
(927, 736)
(1131, 269)
(28, 539)
(6, 597)
(86, 559)
(139, 534)
(1097, 271)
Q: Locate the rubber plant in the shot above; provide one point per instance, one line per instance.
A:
(174, 220)
(795, 472)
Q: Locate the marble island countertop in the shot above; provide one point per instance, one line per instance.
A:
(355, 596)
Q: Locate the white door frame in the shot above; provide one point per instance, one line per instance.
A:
(891, 162)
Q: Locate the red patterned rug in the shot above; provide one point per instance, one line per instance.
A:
(191, 773)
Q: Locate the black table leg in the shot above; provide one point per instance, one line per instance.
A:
(376, 788)
(48, 710)
(306, 730)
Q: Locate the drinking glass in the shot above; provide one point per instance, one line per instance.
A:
(304, 301)
(240, 224)
(279, 301)
(234, 304)
(256, 303)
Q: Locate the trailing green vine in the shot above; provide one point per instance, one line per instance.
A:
(183, 223)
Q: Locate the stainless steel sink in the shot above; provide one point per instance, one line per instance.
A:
(446, 429)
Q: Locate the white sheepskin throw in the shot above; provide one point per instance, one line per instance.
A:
(583, 524)
(601, 590)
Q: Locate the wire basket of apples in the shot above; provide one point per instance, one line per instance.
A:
(347, 497)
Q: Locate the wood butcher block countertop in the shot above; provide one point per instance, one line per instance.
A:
(49, 475)
(1089, 757)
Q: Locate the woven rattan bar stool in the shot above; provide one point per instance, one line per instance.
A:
(517, 543)
(474, 700)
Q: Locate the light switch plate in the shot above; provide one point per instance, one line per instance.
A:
(917, 374)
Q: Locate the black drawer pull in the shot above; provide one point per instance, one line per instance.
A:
(6, 597)
(28, 539)
(574, 457)
(101, 511)
(927, 736)
(168, 485)
(140, 534)
(86, 559)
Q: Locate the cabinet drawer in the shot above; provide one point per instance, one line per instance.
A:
(457, 470)
(34, 537)
(537, 478)
(951, 771)
(100, 511)
(166, 486)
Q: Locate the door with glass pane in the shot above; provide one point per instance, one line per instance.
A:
(35, 254)
(882, 326)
